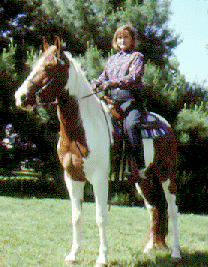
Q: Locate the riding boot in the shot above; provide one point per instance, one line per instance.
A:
(137, 150)
(137, 166)
(137, 162)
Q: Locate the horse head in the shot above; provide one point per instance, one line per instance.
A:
(47, 78)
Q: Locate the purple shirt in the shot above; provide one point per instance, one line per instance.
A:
(124, 70)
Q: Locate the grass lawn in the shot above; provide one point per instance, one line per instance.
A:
(37, 232)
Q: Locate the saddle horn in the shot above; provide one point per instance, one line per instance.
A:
(57, 43)
(45, 44)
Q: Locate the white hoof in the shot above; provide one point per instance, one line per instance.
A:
(71, 258)
(148, 247)
(176, 253)
(100, 265)
(73, 255)
(147, 250)
(69, 263)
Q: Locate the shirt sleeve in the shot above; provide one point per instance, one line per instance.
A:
(133, 75)
(104, 76)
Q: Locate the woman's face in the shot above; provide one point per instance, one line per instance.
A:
(124, 40)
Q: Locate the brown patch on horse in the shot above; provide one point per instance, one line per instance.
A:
(165, 162)
(164, 167)
(73, 146)
(55, 76)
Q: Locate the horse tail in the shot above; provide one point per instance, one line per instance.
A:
(160, 215)
(154, 194)
(164, 167)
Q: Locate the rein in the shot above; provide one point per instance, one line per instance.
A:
(55, 102)
(88, 95)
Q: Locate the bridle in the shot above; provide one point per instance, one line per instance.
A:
(40, 89)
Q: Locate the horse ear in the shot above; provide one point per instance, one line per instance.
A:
(57, 43)
(45, 44)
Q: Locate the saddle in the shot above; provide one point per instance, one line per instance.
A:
(150, 124)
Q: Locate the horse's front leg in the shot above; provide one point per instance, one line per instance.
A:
(100, 187)
(173, 215)
(76, 194)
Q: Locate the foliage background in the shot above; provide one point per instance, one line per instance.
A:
(86, 29)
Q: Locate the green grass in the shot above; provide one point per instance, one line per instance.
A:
(37, 232)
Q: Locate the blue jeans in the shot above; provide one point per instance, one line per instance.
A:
(132, 129)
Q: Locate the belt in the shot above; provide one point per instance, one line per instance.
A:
(121, 95)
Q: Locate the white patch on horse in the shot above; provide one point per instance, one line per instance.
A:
(23, 90)
(95, 119)
(37, 67)
(96, 165)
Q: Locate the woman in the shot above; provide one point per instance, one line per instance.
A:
(122, 76)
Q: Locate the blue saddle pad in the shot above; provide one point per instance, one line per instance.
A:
(155, 132)
(150, 132)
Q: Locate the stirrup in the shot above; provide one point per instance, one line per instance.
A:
(127, 174)
(141, 173)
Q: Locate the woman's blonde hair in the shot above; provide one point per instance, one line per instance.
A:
(130, 30)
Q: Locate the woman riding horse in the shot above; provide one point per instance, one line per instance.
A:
(122, 75)
(85, 123)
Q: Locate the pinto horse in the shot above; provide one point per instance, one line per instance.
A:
(84, 144)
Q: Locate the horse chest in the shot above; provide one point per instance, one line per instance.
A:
(72, 147)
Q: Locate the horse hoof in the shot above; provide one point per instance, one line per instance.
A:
(147, 250)
(69, 263)
(100, 265)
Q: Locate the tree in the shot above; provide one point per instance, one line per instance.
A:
(86, 29)
(96, 22)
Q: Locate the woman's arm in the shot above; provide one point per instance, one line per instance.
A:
(133, 74)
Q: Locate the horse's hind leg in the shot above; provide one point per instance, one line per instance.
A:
(172, 213)
(100, 187)
(76, 193)
(148, 157)
(150, 240)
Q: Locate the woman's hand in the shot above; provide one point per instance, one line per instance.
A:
(105, 86)
(95, 86)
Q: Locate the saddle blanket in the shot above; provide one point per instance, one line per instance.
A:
(152, 126)
(154, 132)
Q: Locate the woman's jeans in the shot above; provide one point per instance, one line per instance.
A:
(132, 127)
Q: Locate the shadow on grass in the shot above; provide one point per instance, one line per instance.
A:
(196, 259)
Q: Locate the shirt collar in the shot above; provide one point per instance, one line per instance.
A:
(125, 52)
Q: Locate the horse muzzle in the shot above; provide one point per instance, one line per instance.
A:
(22, 102)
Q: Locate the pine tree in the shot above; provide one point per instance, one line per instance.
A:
(96, 22)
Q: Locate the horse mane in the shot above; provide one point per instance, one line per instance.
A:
(80, 73)
(76, 64)
(93, 104)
